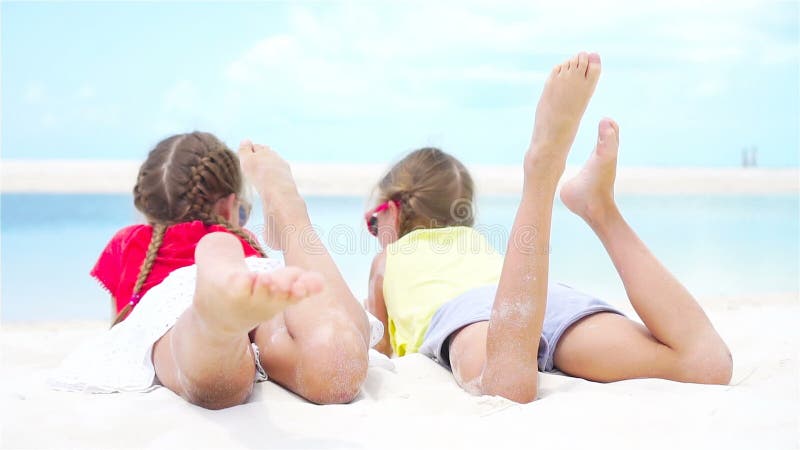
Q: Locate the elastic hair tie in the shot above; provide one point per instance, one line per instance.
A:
(127, 309)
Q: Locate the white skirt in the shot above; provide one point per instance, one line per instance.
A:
(120, 359)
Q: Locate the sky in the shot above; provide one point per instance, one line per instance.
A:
(690, 84)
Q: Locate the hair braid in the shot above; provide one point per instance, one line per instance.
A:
(215, 219)
(197, 195)
(144, 271)
(219, 164)
(247, 237)
(152, 251)
(181, 181)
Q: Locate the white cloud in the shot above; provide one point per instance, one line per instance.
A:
(349, 60)
(49, 120)
(270, 53)
(184, 108)
(181, 97)
(68, 108)
(710, 88)
(86, 92)
(380, 57)
(34, 93)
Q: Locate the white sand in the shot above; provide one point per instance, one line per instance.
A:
(420, 406)
(358, 179)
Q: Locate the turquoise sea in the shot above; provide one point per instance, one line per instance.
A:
(716, 245)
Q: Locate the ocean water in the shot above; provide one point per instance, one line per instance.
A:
(716, 245)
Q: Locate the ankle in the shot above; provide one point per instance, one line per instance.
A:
(288, 209)
(602, 216)
(541, 168)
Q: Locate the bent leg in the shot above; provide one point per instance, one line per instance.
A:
(318, 348)
(468, 355)
(206, 356)
(314, 350)
(608, 347)
(678, 332)
(289, 229)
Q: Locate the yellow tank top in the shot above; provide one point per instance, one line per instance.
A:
(426, 268)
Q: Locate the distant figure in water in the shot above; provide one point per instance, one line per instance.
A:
(750, 156)
(442, 290)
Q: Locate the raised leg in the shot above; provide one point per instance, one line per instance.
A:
(318, 349)
(679, 342)
(500, 358)
(206, 356)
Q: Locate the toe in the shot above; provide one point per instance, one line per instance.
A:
(593, 69)
(604, 128)
(607, 138)
(262, 287)
(284, 279)
(313, 282)
(306, 284)
(556, 71)
(583, 62)
(299, 290)
(245, 147)
(574, 61)
(615, 126)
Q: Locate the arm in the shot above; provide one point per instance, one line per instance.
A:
(375, 303)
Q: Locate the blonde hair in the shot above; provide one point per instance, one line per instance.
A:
(180, 181)
(433, 188)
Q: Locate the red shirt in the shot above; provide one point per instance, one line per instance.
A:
(118, 266)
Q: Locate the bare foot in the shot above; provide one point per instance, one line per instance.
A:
(561, 106)
(272, 177)
(590, 194)
(231, 299)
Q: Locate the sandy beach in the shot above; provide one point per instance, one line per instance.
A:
(416, 404)
(419, 406)
(70, 176)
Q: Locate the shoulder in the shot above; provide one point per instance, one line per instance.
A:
(128, 235)
(248, 248)
(378, 264)
(126, 242)
(132, 231)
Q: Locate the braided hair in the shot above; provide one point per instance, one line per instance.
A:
(181, 181)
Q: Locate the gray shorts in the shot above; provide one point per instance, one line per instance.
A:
(565, 306)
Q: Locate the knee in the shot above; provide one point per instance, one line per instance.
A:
(219, 395)
(333, 370)
(720, 369)
(210, 391)
(709, 367)
(519, 386)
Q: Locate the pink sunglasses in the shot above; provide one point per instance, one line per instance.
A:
(371, 217)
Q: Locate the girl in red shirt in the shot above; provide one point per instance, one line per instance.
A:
(200, 327)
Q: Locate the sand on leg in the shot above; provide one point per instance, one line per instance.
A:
(678, 341)
(318, 348)
(500, 357)
(206, 356)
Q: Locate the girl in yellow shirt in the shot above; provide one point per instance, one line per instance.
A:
(441, 289)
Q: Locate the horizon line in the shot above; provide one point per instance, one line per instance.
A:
(118, 176)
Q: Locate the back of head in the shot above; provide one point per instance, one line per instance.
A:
(183, 177)
(434, 190)
(181, 181)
